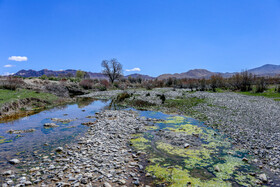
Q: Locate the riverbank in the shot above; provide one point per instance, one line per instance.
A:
(22, 102)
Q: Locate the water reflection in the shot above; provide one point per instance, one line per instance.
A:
(24, 145)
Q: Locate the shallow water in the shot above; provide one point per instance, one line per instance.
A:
(30, 146)
(170, 164)
(175, 165)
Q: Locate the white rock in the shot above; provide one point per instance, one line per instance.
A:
(106, 184)
(217, 169)
(263, 177)
(14, 161)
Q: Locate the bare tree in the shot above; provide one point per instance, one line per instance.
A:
(112, 68)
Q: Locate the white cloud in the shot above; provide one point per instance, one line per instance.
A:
(8, 66)
(134, 69)
(7, 74)
(18, 58)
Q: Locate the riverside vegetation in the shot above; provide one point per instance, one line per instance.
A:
(152, 148)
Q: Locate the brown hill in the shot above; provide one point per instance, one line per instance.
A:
(195, 74)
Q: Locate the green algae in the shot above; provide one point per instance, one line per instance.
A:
(140, 143)
(176, 176)
(148, 128)
(3, 140)
(155, 159)
(178, 166)
(174, 119)
(194, 157)
(228, 167)
(18, 153)
(18, 136)
(187, 128)
(198, 154)
(245, 179)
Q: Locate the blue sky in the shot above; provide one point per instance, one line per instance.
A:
(157, 36)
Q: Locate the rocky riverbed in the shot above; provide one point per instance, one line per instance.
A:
(122, 149)
(101, 157)
(252, 122)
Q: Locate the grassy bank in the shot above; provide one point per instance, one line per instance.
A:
(7, 96)
(20, 103)
(270, 93)
(184, 106)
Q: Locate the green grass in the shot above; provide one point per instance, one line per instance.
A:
(185, 106)
(270, 93)
(7, 96)
(218, 90)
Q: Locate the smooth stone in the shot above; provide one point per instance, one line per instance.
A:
(122, 182)
(186, 145)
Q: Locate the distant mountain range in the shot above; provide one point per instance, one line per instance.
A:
(265, 70)
(71, 73)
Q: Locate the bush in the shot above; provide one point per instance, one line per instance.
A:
(162, 98)
(105, 83)
(122, 96)
(278, 89)
(102, 88)
(11, 83)
(87, 84)
(43, 77)
(261, 85)
(148, 86)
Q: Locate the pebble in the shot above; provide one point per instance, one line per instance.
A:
(106, 184)
(217, 169)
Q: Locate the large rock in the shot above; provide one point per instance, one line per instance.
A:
(59, 149)
(14, 161)
(9, 172)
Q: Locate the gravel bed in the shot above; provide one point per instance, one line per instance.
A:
(101, 157)
(251, 121)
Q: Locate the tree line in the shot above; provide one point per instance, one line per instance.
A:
(243, 81)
